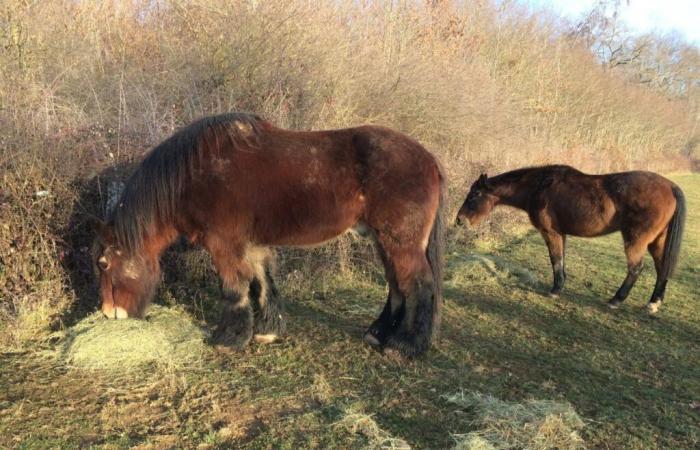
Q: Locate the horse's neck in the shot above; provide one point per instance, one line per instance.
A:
(156, 243)
(515, 192)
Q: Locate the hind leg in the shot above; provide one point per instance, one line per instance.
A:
(385, 324)
(411, 334)
(264, 296)
(656, 248)
(634, 249)
(267, 304)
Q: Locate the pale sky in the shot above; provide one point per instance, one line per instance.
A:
(682, 16)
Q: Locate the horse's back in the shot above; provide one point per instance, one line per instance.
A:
(637, 188)
(577, 204)
(592, 205)
(286, 187)
(642, 197)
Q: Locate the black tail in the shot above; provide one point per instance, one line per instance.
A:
(674, 236)
(434, 252)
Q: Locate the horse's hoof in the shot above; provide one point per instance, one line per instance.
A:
(408, 346)
(554, 294)
(653, 308)
(265, 338)
(614, 303)
(371, 339)
(232, 339)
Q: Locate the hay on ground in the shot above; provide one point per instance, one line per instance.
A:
(357, 422)
(491, 267)
(166, 337)
(532, 425)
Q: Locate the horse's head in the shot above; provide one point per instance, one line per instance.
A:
(479, 202)
(127, 280)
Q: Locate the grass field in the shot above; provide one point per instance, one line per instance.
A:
(634, 379)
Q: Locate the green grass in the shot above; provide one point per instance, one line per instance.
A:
(632, 378)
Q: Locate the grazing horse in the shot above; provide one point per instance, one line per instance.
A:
(647, 208)
(237, 185)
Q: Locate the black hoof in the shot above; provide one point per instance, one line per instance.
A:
(376, 334)
(271, 324)
(236, 339)
(235, 330)
(407, 346)
(371, 339)
(614, 303)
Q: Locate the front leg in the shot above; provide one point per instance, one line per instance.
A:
(235, 328)
(268, 307)
(556, 243)
(387, 321)
(634, 249)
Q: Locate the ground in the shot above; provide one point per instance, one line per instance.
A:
(634, 379)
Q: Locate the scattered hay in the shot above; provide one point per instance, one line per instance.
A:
(492, 267)
(473, 441)
(533, 425)
(321, 390)
(357, 422)
(167, 337)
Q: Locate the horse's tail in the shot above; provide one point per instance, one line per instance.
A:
(672, 247)
(434, 252)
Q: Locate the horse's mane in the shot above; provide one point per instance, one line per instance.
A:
(519, 174)
(153, 190)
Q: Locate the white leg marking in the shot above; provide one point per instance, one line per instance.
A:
(265, 338)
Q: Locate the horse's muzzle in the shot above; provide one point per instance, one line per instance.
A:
(114, 312)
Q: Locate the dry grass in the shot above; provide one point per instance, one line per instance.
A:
(357, 422)
(167, 338)
(532, 425)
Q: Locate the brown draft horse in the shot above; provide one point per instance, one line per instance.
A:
(647, 208)
(237, 185)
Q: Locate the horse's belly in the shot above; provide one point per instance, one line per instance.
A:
(307, 223)
(308, 237)
(590, 222)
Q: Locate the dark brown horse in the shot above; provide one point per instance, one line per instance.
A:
(237, 185)
(647, 208)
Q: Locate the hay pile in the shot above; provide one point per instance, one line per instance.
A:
(355, 421)
(167, 337)
(477, 267)
(533, 425)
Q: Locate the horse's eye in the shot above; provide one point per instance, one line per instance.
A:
(102, 263)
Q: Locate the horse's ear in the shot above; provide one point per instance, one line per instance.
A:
(100, 226)
(104, 229)
(482, 180)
